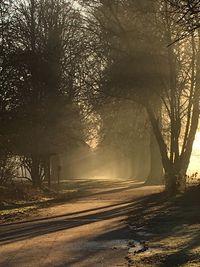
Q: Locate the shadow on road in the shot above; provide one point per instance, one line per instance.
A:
(132, 197)
(59, 223)
(29, 229)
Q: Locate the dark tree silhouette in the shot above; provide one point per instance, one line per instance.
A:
(142, 67)
(45, 45)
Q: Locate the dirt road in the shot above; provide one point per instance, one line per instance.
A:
(90, 231)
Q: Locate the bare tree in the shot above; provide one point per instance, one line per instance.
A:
(142, 67)
(46, 47)
(187, 16)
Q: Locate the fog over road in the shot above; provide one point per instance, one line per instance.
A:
(90, 231)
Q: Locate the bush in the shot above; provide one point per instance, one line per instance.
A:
(8, 169)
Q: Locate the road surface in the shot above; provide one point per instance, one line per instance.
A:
(90, 231)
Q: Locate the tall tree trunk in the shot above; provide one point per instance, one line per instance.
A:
(35, 171)
(172, 170)
(171, 182)
(156, 167)
(47, 171)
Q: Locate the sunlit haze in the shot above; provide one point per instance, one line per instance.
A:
(195, 158)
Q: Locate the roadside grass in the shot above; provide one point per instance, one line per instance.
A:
(170, 228)
(19, 201)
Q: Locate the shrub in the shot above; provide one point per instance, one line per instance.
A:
(8, 169)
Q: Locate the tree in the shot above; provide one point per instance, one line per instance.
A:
(141, 67)
(45, 42)
(124, 136)
(188, 15)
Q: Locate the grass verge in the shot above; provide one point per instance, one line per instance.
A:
(170, 228)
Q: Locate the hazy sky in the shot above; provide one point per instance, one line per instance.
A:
(195, 158)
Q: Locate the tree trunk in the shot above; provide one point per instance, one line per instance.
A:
(35, 171)
(175, 181)
(47, 172)
(156, 167)
(172, 170)
(171, 182)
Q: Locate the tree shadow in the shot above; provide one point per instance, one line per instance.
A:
(111, 255)
(84, 188)
(171, 223)
(25, 230)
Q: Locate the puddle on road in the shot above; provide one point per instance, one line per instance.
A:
(132, 246)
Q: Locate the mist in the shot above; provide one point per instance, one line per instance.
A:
(99, 133)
